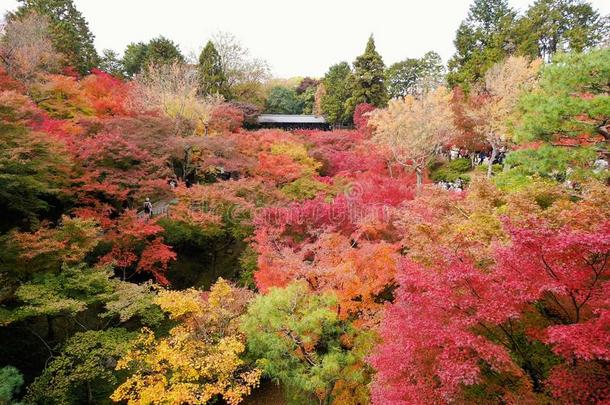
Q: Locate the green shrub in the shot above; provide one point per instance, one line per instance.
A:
(248, 262)
(11, 381)
(304, 188)
(180, 234)
(450, 171)
(548, 163)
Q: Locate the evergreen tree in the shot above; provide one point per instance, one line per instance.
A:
(308, 99)
(134, 58)
(157, 51)
(415, 76)
(484, 38)
(11, 381)
(336, 93)
(367, 82)
(402, 77)
(111, 63)
(433, 71)
(306, 92)
(212, 79)
(161, 50)
(286, 329)
(69, 31)
(283, 100)
(553, 25)
(571, 99)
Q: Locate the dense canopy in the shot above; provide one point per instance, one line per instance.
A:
(447, 241)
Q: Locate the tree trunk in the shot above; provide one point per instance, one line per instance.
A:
(390, 168)
(89, 393)
(186, 162)
(420, 177)
(494, 152)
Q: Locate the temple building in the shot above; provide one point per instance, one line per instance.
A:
(291, 122)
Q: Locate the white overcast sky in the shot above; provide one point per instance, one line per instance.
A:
(297, 38)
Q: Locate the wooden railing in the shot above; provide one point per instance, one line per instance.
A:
(161, 207)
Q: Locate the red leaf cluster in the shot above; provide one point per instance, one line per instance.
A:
(361, 116)
(452, 321)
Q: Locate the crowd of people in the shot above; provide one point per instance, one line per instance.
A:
(457, 185)
(483, 157)
(478, 158)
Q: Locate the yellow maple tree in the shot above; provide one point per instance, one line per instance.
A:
(412, 130)
(498, 96)
(200, 360)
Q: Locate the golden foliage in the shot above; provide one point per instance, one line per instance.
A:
(180, 303)
(298, 153)
(172, 90)
(200, 360)
(413, 129)
(504, 84)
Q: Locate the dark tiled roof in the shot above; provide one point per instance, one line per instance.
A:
(290, 119)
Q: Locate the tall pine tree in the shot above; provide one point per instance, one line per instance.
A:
(367, 82)
(484, 38)
(552, 25)
(212, 79)
(69, 30)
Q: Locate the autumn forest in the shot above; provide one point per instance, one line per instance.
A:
(447, 241)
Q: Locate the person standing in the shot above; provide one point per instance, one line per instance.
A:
(148, 208)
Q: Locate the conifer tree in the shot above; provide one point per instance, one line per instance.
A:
(367, 82)
(162, 50)
(212, 79)
(158, 51)
(134, 58)
(571, 100)
(111, 63)
(483, 39)
(552, 25)
(415, 77)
